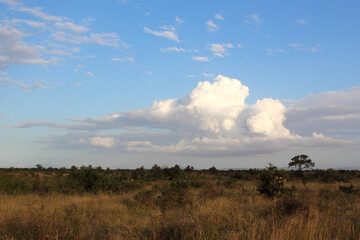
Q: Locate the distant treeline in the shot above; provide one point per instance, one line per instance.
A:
(88, 179)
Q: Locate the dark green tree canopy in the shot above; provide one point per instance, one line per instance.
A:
(301, 162)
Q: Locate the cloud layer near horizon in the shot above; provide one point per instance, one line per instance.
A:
(212, 120)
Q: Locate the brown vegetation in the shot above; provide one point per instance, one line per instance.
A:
(199, 205)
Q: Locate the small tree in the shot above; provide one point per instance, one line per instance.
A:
(301, 162)
(271, 181)
(213, 170)
(39, 167)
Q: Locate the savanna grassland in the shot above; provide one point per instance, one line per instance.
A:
(175, 203)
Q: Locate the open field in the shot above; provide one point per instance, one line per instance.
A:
(190, 205)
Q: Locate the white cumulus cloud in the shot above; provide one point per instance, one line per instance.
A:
(215, 120)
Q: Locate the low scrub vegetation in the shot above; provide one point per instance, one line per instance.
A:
(178, 203)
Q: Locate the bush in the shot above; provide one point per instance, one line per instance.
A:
(271, 181)
(210, 191)
(174, 194)
(349, 189)
(145, 198)
(330, 175)
(174, 172)
(289, 204)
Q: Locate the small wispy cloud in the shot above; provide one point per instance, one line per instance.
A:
(219, 49)
(105, 39)
(208, 75)
(168, 32)
(12, 3)
(76, 85)
(172, 49)
(176, 49)
(190, 76)
(301, 21)
(179, 20)
(219, 17)
(201, 59)
(126, 59)
(314, 48)
(7, 82)
(211, 26)
(271, 51)
(301, 47)
(253, 19)
(72, 27)
(34, 24)
(295, 45)
(90, 74)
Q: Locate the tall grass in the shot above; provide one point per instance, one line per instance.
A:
(207, 211)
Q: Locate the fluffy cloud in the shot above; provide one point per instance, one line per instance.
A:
(212, 120)
(267, 118)
(168, 32)
(217, 105)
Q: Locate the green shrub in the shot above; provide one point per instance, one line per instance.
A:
(145, 198)
(174, 194)
(271, 181)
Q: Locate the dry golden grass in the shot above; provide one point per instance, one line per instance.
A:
(319, 211)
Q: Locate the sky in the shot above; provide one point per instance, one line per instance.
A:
(230, 84)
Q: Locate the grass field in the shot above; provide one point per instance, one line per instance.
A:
(205, 206)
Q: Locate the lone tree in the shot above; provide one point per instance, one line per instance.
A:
(301, 162)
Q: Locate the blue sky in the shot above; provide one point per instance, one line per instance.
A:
(127, 83)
